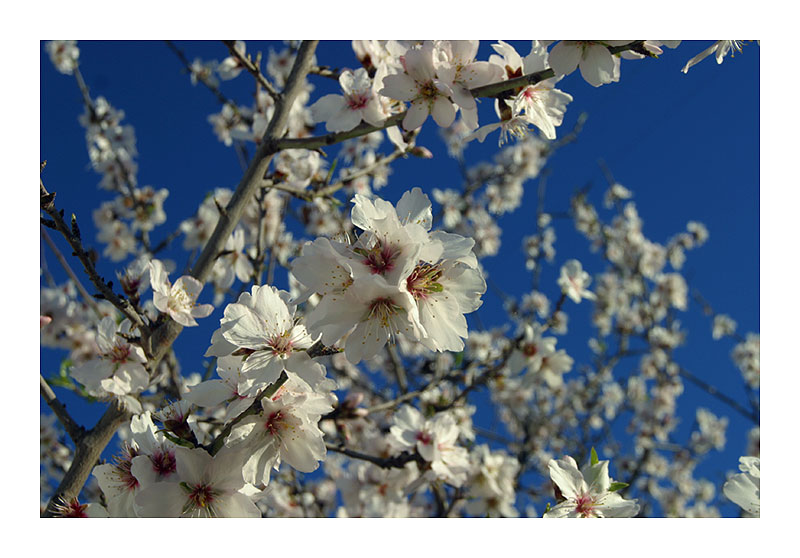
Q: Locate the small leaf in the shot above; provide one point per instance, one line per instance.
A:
(63, 370)
(176, 440)
(330, 172)
(594, 459)
(547, 509)
(617, 486)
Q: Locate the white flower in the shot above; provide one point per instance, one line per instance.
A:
(233, 387)
(178, 300)
(286, 430)
(587, 493)
(208, 487)
(435, 440)
(261, 327)
(118, 369)
(574, 281)
(63, 55)
(344, 112)
(118, 484)
(744, 489)
(234, 264)
(420, 85)
(373, 310)
(456, 66)
(597, 64)
(719, 48)
(231, 67)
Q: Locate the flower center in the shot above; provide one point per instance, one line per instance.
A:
(281, 345)
(180, 300)
(357, 101)
(119, 353)
(424, 437)
(424, 280)
(383, 309)
(584, 505)
(380, 258)
(530, 349)
(273, 423)
(428, 90)
(163, 462)
(199, 496)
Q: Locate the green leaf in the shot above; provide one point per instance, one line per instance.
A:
(617, 486)
(63, 370)
(176, 440)
(547, 509)
(594, 460)
(330, 172)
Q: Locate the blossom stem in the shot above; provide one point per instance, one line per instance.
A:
(253, 409)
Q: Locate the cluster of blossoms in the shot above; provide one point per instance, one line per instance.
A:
(397, 278)
(289, 396)
(72, 322)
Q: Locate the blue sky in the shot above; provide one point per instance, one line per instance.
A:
(686, 145)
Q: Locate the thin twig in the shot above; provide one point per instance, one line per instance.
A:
(248, 65)
(714, 392)
(64, 264)
(88, 265)
(72, 428)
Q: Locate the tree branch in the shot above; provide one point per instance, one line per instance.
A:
(73, 238)
(252, 69)
(492, 90)
(251, 181)
(75, 431)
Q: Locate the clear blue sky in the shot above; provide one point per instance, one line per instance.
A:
(686, 145)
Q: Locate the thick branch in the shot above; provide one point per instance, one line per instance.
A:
(246, 189)
(87, 452)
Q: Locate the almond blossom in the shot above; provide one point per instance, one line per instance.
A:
(597, 64)
(420, 85)
(178, 300)
(359, 102)
(587, 493)
(206, 487)
(720, 49)
(118, 370)
(396, 279)
(435, 440)
(261, 328)
(574, 281)
(285, 430)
